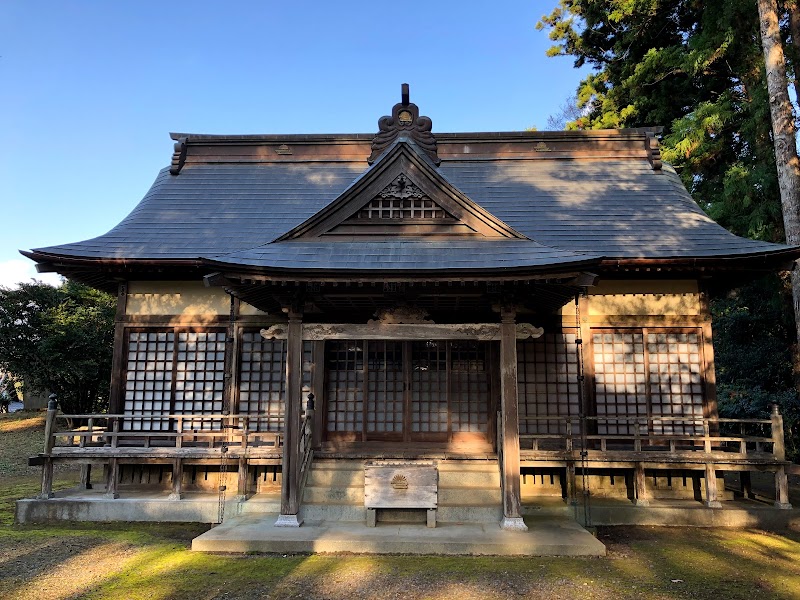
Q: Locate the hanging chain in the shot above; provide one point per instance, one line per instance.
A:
(587, 503)
(223, 478)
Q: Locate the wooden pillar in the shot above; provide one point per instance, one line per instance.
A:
(113, 478)
(177, 479)
(290, 469)
(745, 486)
(512, 518)
(86, 476)
(49, 442)
(782, 489)
(572, 484)
(120, 352)
(241, 486)
(47, 479)
(641, 494)
(712, 500)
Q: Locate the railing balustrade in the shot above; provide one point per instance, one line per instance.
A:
(674, 434)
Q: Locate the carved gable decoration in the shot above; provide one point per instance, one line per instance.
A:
(405, 120)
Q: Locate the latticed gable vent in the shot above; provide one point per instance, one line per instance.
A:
(401, 199)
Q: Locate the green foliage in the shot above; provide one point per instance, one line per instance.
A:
(59, 340)
(695, 68)
(753, 336)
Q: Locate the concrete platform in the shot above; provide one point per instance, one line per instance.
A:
(256, 533)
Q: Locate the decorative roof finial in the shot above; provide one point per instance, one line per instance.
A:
(405, 119)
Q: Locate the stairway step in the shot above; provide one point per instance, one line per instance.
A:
(474, 496)
(334, 495)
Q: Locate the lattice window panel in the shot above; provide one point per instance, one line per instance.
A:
(402, 208)
(148, 380)
(469, 387)
(620, 380)
(429, 410)
(547, 383)
(345, 385)
(676, 380)
(262, 381)
(200, 376)
(385, 387)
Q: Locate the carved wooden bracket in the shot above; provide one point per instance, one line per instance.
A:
(486, 332)
(178, 156)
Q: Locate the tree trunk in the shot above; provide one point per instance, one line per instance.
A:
(794, 50)
(783, 134)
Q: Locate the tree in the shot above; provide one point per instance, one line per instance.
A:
(698, 69)
(783, 134)
(59, 340)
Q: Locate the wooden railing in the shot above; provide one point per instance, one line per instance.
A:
(675, 435)
(185, 430)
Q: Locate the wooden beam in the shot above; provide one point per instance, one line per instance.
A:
(118, 359)
(177, 479)
(290, 469)
(712, 499)
(641, 494)
(401, 331)
(512, 519)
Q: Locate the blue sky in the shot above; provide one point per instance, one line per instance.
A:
(90, 89)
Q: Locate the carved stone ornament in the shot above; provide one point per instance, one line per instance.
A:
(410, 315)
(405, 120)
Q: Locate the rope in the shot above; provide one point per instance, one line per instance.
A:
(587, 502)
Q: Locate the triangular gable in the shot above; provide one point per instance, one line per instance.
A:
(403, 194)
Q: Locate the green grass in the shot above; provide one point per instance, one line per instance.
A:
(152, 561)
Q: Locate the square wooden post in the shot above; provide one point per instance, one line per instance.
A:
(782, 489)
(712, 500)
(177, 479)
(113, 478)
(241, 487)
(290, 465)
(641, 495)
(512, 519)
(86, 476)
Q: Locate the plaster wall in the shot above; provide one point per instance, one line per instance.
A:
(643, 298)
(180, 298)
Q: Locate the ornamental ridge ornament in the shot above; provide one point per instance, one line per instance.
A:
(405, 120)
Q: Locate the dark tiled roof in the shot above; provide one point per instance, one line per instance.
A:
(573, 210)
(415, 254)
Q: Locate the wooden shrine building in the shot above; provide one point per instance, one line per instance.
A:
(528, 306)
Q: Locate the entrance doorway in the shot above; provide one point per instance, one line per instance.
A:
(408, 391)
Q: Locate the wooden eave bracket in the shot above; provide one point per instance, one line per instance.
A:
(653, 147)
(179, 155)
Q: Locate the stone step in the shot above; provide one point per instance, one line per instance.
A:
(335, 495)
(335, 478)
(469, 479)
(469, 496)
(315, 511)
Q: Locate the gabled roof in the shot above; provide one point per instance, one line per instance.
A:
(527, 202)
(405, 166)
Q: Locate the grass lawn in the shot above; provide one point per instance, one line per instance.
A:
(153, 561)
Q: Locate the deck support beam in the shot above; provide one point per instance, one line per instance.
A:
(113, 479)
(712, 499)
(177, 479)
(512, 518)
(86, 476)
(782, 489)
(290, 466)
(641, 494)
